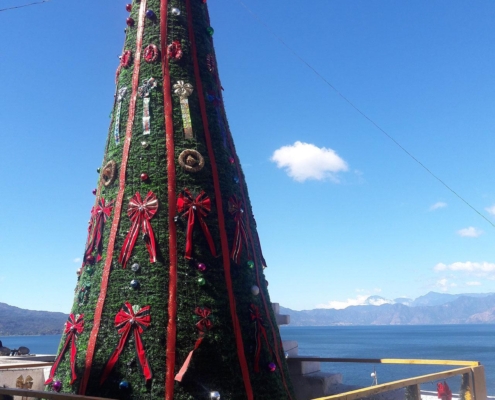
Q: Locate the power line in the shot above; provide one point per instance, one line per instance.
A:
(24, 5)
(272, 32)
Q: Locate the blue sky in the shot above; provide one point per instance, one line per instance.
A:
(343, 213)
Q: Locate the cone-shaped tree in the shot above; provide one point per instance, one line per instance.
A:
(171, 300)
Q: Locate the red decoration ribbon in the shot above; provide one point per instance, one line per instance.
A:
(191, 207)
(73, 327)
(444, 391)
(260, 333)
(174, 50)
(99, 216)
(128, 320)
(240, 236)
(140, 212)
(203, 325)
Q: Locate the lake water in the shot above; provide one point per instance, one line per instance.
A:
(442, 342)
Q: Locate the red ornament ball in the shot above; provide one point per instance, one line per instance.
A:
(144, 177)
(128, 7)
(90, 259)
(130, 22)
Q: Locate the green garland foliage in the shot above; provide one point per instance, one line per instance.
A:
(215, 364)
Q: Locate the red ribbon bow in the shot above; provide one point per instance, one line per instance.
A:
(99, 216)
(260, 332)
(240, 236)
(444, 391)
(128, 320)
(203, 325)
(73, 327)
(140, 212)
(200, 207)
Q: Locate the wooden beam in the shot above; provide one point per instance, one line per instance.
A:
(391, 361)
(479, 383)
(46, 395)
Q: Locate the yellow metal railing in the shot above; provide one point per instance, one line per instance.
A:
(472, 372)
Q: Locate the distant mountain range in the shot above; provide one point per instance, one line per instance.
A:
(16, 321)
(430, 309)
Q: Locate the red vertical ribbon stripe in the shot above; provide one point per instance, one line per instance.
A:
(128, 320)
(193, 208)
(140, 212)
(73, 327)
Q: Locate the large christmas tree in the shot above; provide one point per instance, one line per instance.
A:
(171, 301)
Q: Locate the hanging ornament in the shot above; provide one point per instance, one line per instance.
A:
(150, 14)
(210, 63)
(120, 98)
(235, 179)
(255, 290)
(145, 144)
(140, 212)
(175, 11)
(124, 385)
(135, 319)
(109, 173)
(151, 53)
(174, 50)
(130, 22)
(144, 93)
(90, 259)
(99, 215)
(259, 333)
(198, 207)
(94, 191)
(272, 367)
(201, 281)
(286, 355)
(83, 294)
(214, 395)
(250, 264)
(191, 160)
(144, 177)
(128, 7)
(210, 31)
(135, 267)
(73, 328)
(231, 160)
(203, 325)
(57, 386)
(125, 62)
(184, 90)
(201, 267)
(98, 170)
(135, 284)
(90, 271)
(240, 236)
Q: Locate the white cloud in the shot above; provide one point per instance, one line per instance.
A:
(304, 161)
(438, 205)
(491, 209)
(339, 305)
(467, 266)
(473, 283)
(444, 285)
(470, 232)
(77, 260)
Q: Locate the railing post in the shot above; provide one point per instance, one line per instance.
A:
(413, 392)
(479, 383)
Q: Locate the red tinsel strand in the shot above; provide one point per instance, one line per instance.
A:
(192, 207)
(240, 236)
(126, 321)
(140, 212)
(73, 327)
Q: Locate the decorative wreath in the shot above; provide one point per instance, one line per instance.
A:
(191, 160)
(151, 53)
(109, 173)
(126, 59)
(174, 50)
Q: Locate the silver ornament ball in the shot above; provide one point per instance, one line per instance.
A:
(135, 267)
(286, 354)
(255, 290)
(214, 395)
(175, 11)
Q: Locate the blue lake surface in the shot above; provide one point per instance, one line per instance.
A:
(442, 342)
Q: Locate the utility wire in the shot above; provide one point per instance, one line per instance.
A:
(24, 5)
(272, 32)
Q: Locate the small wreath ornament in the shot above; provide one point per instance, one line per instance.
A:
(109, 173)
(174, 50)
(191, 160)
(126, 59)
(151, 53)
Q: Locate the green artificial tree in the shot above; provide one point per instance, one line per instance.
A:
(171, 300)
